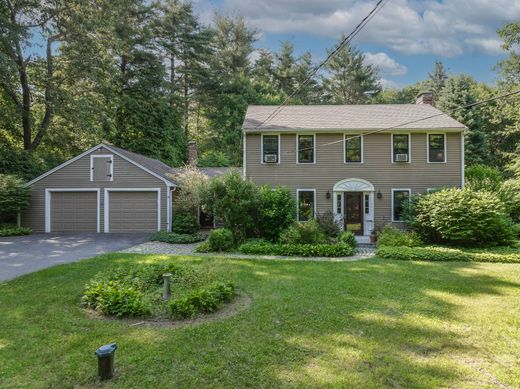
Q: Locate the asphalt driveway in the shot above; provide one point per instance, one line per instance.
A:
(26, 254)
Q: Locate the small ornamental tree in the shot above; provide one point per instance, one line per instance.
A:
(277, 211)
(190, 181)
(14, 196)
(234, 200)
(462, 217)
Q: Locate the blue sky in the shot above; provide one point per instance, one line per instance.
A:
(403, 40)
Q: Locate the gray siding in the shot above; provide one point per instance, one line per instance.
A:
(77, 175)
(377, 168)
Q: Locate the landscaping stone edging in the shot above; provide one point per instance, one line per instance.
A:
(189, 249)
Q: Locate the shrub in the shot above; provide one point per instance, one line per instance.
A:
(115, 298)
(185, 223)
(220, 239)
(308, 232)
(510, 195)
(434, 253)
(172, 237)
(12, 230)
(328, 224)
(391, 236)
(462, 217)
(204, 300)
(235, 201)
(301, 250)
(348, 238)
(482, 177)
(204, 247)
(277, 211)
(14, 196)
(190, 181)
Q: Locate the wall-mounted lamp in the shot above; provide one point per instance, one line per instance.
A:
(327, 195)
(379, 194)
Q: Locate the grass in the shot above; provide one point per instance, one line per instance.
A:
(374, 323)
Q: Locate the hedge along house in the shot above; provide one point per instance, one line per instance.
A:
(105, 189)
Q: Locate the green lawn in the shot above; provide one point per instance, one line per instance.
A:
(374, 323)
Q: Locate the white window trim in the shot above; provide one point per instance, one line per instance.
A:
(298, 202)
(409, 147)
(345, 149)
(430, 190)
(92, 156)
(106, 208)
(428, 146)
(298, 150)
(409, 199)
(462, 161)
(262, 149)
(48, 193)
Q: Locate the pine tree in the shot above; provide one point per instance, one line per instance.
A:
(309, 90)
(285, 69)
(437, 80)
(349, 78)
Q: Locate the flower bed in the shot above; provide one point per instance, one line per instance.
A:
(436, 253)
(137, 291)
(301, 250)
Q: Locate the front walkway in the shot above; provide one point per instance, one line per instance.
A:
(364, 252)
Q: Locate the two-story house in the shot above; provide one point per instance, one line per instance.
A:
(359, 161)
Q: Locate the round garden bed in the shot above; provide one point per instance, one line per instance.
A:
(138, 293)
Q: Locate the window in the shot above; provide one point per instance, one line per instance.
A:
(367, 205)
(101, 167)
(399, 198)
(270, 149)
(400, 147)
(436, 148)
(353, 148)
(305, 148)
(306, 204)
(339, 202)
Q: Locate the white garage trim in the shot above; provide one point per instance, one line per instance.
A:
(48, 192)
(107, 206)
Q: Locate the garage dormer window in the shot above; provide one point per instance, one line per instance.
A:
(102, 167)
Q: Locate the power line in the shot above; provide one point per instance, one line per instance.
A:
(459, 108)
(379, 5)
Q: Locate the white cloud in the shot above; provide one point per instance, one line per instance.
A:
(388, 84)
(448, 28)
(387, 66)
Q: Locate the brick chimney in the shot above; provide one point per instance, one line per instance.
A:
(192, 153)
(424, 97)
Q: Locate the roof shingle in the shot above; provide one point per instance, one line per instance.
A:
(366, 117)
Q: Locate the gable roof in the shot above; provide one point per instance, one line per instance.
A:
(346, 117)
(153, 166)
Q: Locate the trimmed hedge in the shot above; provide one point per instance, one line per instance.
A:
(204, 300)
(173, 237)
(301, 250)
(9, 230)
(391, 236)
(435, 253)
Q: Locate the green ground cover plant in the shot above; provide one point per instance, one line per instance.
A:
(172, 237)
(136, 291)
(438, 253)
(300, 250)
(374, 324)
(14, 230)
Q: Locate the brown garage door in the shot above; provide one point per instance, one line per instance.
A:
(73, 211)
(132, 211)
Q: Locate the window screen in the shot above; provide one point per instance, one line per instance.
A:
(400, 198)
(436, 152)
(305, 205)
(353, 148)
(305, 148)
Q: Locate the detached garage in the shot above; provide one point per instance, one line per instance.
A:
(106, 189)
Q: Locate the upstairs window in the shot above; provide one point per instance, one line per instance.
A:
(353, 148)
(306, 148)
(436, 148)
(306, 206)
(270, 149)
(400, 197)
(400, 147)
(101, 168)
